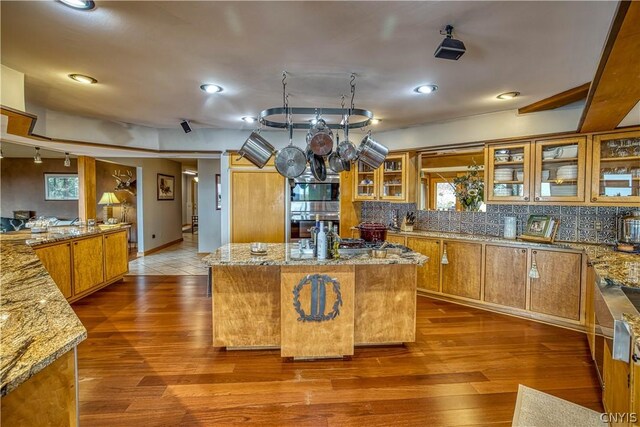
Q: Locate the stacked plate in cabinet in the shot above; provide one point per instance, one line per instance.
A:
(502, 191)
(503, 174)
(567, 172)
(564, 190)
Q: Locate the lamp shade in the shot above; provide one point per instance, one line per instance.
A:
(108, 199)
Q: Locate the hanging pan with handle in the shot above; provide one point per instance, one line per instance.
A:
(337, 163)
(371, 152)
(318, 168)
(320, 138)
(291, 160)
(346, 149)
(256, 149)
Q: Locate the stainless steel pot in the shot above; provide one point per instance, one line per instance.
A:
(257, 150)
(371, 152)
(629, 228)
(320, 138)
(346, 149)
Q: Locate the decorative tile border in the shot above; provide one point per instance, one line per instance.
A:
(585, 224)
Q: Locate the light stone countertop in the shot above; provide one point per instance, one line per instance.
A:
(616, 268)
(37, 324)
(286, 254)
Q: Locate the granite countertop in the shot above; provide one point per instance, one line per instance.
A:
(59, 234)
(286, 254)
(37, 324)
(616, 268)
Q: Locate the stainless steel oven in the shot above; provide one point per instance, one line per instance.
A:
(309, 197)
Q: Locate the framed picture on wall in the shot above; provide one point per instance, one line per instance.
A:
(166, 187)
(218, 193)
(61, 186)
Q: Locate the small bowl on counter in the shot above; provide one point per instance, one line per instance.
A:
(378, 253)
(258, 248)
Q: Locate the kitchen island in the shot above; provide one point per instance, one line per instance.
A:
(311, 308)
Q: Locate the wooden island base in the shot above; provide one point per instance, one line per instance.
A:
(313, 311)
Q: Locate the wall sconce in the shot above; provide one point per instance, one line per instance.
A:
(37, 159)
(533, 272)
(445, 258)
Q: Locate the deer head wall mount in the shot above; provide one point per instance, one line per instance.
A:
(125, 182)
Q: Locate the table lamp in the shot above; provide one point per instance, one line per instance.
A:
(108, 199)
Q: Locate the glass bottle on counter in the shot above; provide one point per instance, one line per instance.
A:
(336, 243)
(322, 243)
(329, 239)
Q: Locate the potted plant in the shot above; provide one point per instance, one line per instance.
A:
(469, 189)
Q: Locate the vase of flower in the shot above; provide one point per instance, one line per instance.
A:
(469, 189)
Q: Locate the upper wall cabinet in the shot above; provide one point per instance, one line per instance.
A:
(616, 168)
(559, 170)
(508, 172)
(393, 181)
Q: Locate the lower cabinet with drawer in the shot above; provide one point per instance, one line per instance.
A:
(497, 277)
(83, 265)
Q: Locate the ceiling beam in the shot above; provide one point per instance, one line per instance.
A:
(616, 86)
(558, 100)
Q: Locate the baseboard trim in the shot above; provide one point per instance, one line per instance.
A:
(161, 247)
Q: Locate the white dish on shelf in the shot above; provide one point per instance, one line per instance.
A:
(568, 152)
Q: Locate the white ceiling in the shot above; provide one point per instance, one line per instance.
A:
(151, 57)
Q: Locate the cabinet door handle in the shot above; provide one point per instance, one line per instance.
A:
(526, 198)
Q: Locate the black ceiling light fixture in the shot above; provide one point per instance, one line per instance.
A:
(450, 48)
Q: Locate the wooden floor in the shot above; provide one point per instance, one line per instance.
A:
(149, 361)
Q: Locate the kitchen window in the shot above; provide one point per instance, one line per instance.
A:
(58, 186)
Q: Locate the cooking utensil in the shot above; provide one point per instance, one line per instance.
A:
(346, 149)
(291, 161)
(320, 138)
(378, 253)
(257, 150)
(373, 231)
(629, 228)
(335, 162)
(371, 152)
(318, 168)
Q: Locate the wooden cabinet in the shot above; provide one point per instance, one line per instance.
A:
(88, 264)
(462, 274)
(396, 239)
(257, 206)
(615, 177)
(57, 260)
(429, 273)
(616, 395)
(508, 173)
(557, 290)
(116, 255)
(505, 279)
(590, 320)
(559, 170)
(393, 181)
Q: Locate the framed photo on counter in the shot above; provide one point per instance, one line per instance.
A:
(166, 187)
(537, 225)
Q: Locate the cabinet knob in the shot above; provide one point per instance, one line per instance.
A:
(68, 244)
(524, 251)
(593, 199)
(537, 198)
(535, 252)
(526, 198)
(75, 243)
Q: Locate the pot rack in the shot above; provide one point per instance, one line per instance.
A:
(318, 112)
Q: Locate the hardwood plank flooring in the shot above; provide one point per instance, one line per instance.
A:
(148, 361)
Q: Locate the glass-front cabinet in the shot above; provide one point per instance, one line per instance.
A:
(508, 172)
(559, 170)
(616, 168)
(392, 181)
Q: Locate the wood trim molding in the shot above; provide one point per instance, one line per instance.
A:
(616, 86)
(161, 247)
(558, 100)
(22, 124)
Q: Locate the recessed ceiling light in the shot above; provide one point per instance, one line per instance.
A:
(375, 121)
(426, 89)
(508, 95)
(79, 4)
(80, 78)
(249, 119)
(210, 88)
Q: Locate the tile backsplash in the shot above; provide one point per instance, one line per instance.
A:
(586, 224)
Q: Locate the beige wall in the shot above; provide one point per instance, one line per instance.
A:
(23, 188)
(11, 88)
